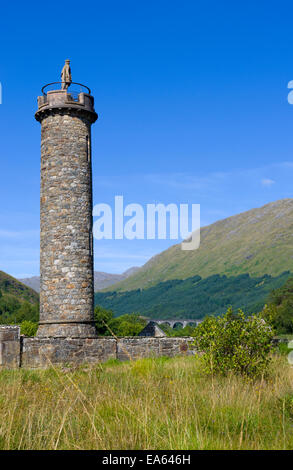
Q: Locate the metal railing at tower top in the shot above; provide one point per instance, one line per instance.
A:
(72, 96)
(74, 89)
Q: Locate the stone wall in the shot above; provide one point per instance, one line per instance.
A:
(18, 351)
(10, 343)
(138, 347)
(42, 352)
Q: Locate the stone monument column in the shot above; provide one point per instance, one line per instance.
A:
(66, 259)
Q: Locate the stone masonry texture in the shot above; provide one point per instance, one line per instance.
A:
(10, 344)
(141, 347)
(20, 351)
(66, 260)
(43, 352)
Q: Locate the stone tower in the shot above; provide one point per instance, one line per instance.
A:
(66, 260)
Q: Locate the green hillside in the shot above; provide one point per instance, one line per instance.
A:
(194, 297)
(10, 285)
(17, 301)
(258, 242)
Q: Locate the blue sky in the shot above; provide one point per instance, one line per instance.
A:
(192, 103)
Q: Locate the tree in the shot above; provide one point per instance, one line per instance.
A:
(127, 325)
(281, 307)
(102, 319)
(9, 305)
(28, 312)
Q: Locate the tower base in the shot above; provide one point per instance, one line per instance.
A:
(67, 330)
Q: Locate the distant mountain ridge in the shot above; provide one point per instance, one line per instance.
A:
(32, 282)
(101, 279)
(257, 242)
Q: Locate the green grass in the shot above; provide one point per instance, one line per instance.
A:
(145, 404)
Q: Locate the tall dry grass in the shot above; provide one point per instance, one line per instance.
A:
(145, 404)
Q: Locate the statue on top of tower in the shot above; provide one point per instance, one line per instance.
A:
(66, 75)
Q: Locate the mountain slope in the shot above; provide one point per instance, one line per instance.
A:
(10, 285)
(194, 297)
(102, 280)
(258, 242)
(17, 301)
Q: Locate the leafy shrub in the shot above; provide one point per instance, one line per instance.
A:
(235, 343)
(28, 328)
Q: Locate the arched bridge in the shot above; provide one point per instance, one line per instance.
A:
(182, 323)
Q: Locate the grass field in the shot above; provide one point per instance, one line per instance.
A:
(145, 404)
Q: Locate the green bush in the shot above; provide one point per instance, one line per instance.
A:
(28, 328)
(235, 343)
